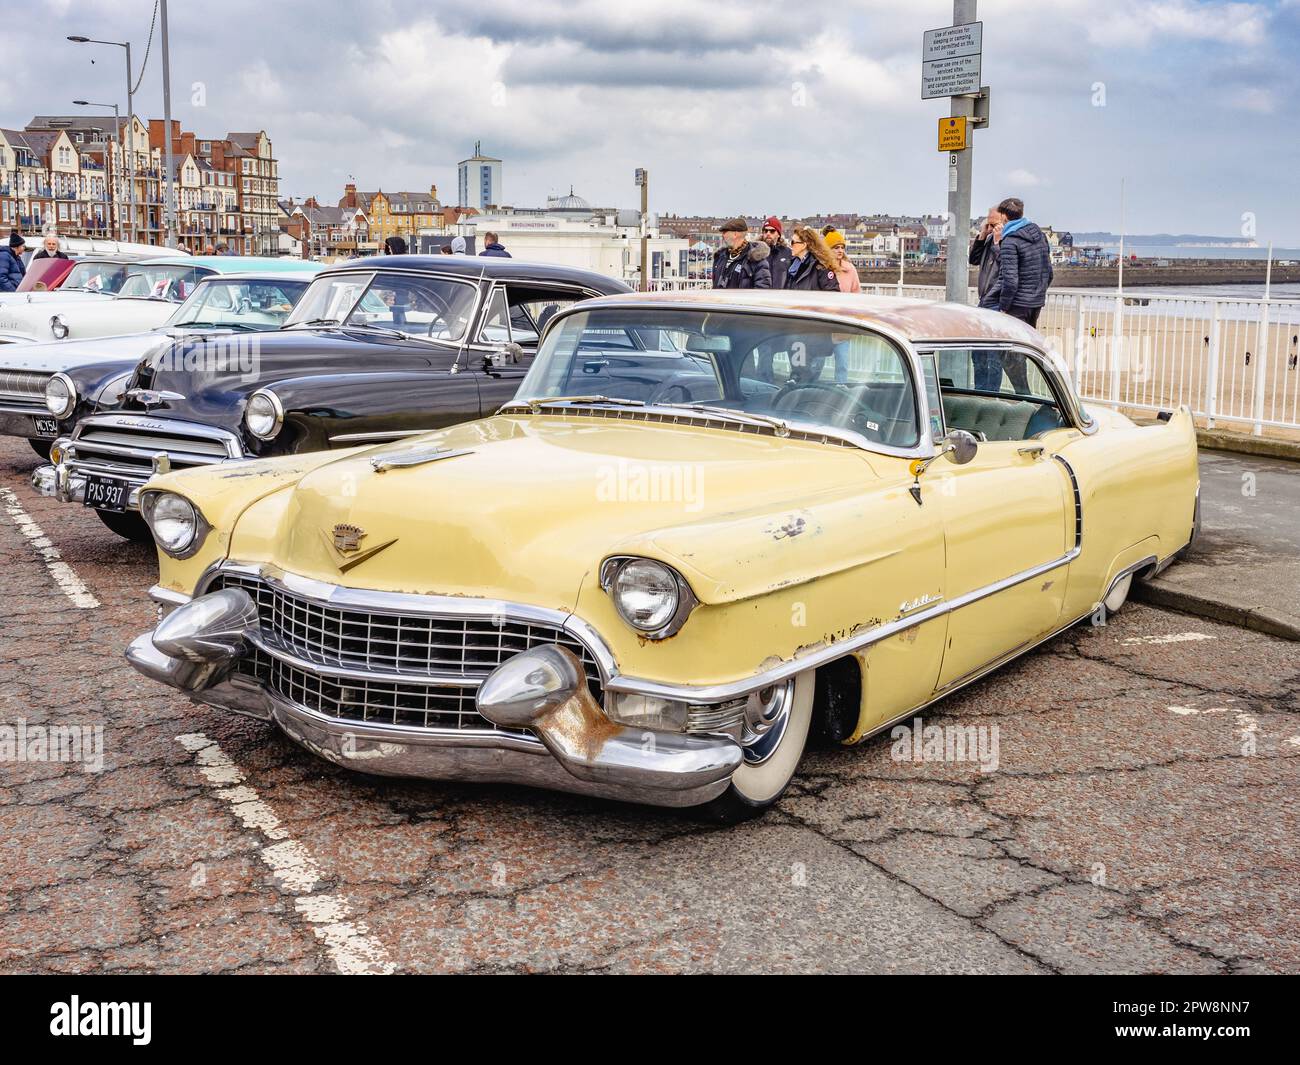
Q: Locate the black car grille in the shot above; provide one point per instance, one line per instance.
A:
(22, 390)
(450, 648)
(129, 450)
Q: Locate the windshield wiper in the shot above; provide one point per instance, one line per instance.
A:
(316, 321)
(781, 427)
(182, 326)
(536, 404)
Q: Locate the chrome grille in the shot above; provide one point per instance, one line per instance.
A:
(23, 389)
(128, 450)
(455, 650)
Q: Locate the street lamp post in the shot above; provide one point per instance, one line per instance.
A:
(130, 120)
(114, 203)
(169, 207)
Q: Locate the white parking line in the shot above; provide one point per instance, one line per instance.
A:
(347, 942)
(67, 580)
(1177, 637)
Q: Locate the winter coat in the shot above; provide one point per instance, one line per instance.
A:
(779, 256)
(1024, 266)
(808, 273)
(847, 275)
(984, 254)
(12, 271)
(496, 251)
(43, 254)
(749, 269)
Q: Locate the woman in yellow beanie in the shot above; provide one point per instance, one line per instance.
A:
(845, 272)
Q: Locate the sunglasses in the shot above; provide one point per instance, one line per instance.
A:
(770, 229)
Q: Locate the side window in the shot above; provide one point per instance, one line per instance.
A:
(496, 321)
(996, 394)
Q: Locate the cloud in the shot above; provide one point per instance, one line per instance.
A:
(1023, 179)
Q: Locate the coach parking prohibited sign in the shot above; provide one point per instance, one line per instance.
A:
(952, 134)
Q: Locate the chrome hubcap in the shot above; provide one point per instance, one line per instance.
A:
(767, 713)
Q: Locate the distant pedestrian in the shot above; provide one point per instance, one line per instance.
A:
(984, 254)
(444, 249)
(223, 248)
(741, 262)
(12, 271)
(458, 245)
(845, 272)
(50, 249)
(778, 250)
(492, 247)
(811, 266)
(208, 249)
(395, 245)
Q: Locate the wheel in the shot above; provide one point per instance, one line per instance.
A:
(127, 525)
(776, 730)
(1118, 595)
(41, 447)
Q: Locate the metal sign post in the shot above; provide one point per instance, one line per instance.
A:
(952, 66)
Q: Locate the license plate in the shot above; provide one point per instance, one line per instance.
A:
(106, 493)
(45, 427)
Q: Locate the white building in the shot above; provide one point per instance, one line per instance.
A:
(478, 180)
(570, 232)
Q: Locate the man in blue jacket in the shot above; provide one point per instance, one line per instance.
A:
(1024, 272)
(12, 271)
(493, 248)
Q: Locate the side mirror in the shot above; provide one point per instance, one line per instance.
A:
(502, 355)
(959, 447)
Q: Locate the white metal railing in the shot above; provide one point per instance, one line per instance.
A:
(1228, 359)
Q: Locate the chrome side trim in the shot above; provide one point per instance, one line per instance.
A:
(1078, 501)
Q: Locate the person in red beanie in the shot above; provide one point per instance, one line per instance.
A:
(778, 249)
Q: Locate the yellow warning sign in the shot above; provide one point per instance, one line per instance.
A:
(952, 134)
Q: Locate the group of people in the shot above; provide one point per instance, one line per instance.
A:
(811, 260)
(12, 268)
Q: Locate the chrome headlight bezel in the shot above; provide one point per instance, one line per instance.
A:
(70, 398)
(198, 525)
(276, 414)
(673, 619)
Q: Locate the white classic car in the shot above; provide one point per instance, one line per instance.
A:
(146, 296)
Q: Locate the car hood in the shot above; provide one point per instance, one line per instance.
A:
(11, 299)
(236, 364)
(55, 355)
(533, 504)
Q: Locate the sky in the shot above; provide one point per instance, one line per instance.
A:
(734, 107)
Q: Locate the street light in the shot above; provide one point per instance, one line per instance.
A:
(130, 118)
(117, 118)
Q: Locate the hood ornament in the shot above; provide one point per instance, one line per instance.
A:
(150, 398)
(345, 539)
(404, 460)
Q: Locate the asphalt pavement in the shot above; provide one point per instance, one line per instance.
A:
(1135, 810)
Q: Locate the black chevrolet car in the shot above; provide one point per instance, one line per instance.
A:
(375, 350)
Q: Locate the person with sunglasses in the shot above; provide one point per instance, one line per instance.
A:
(778, 250)
(811, 264)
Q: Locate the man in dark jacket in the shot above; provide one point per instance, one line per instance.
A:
(493, 248)
(740, 262)
(12, 270)
(1024, 264)
(50, 249)
(984, 254)
(778, 251)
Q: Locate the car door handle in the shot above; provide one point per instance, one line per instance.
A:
(1036, 451)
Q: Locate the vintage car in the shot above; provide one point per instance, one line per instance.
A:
(95, 277)
(146, 296)
(709, 525)
(375, 350)
(46, 388)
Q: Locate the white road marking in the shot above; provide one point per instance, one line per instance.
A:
(67, 580)
(1177, 637)
(1247, 723)
(346, 941)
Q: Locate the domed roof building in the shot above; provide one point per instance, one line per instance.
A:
(567, 203)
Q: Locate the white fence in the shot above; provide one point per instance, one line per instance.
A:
(1229, 360)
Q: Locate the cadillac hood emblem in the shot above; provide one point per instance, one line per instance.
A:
(346, 539)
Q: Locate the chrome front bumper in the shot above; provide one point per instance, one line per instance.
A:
(64, 482)
(570, 744)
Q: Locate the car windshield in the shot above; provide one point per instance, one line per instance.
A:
(244, 304)
(171, 283)
(438, 308)
(96, 277)
(751, 366)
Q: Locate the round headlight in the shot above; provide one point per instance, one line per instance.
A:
(646, 593)
(58, 328)
(173, 521)
(264, 415)
(60, 395)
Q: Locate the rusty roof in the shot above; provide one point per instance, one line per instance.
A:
(915, 319)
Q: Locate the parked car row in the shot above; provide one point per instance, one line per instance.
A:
(481, 519)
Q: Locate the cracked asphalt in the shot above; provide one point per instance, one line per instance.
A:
(1142, 817)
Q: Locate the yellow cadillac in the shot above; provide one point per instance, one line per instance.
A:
(709, 526)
